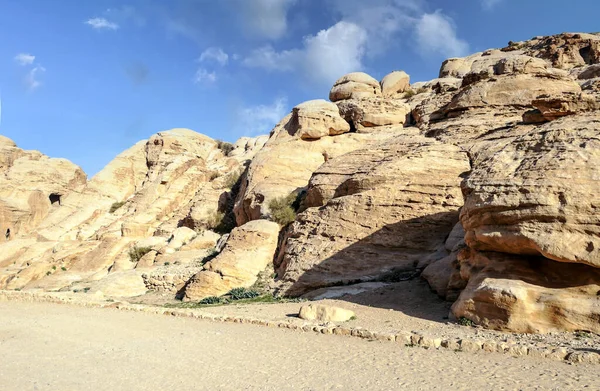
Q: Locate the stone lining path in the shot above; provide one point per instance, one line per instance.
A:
(46, 346)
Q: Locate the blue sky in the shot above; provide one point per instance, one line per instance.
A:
(85, 80)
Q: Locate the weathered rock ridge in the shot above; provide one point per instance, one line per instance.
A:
(484, 181)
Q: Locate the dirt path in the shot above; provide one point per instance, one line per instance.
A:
(61, 347)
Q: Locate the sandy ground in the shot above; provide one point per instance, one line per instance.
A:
(404, 306)
(60, 347)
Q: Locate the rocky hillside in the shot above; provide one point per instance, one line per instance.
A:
(484, 181)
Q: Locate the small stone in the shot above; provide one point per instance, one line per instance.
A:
(342, 331)
(384, 336)
(558, 354)
(518, 350)
(584, 358)
(490, 346)
(403, 338)
(415, 339)
(468, 345)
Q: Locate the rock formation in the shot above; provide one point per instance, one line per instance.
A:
(483, 181)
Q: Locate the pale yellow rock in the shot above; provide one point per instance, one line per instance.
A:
(395, 83)
(285, 165)
(354, 85)
(156, 184)
(318, 118)
(373, 212)
(32, 186)
(121, 284)
(538, 194)
(324, 313)
(181, 236)
(249, 250)
(204, 241)
(373, 112)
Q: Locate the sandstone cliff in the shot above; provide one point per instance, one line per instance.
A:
(483, 181)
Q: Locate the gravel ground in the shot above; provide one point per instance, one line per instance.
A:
(60, 347)
(404, 306)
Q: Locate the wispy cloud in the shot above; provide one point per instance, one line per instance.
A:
(125, 15)
(260, 119)
(214, 54)
(24, 59)
(436, 34)
(203, 76)
(489, 4)
(101, 24)
(324, 57)
(265, 18)
(31, 80)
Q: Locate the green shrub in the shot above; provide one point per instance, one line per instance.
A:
(211, 300)
(225, 147)
(409, 93)
(114, 207)
(136, 253)
(465, 322)
(64, 269)
(167, 263)
(579, 334)
(242, 293)
(214, 220)
(282, 209)
(232, 179)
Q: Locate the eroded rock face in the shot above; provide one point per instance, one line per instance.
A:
(355, 85)
(366, 114)
(539, 194)
(528, 294)
(509, 135)
(139, 201)
(286, 163)
(373, 212)
(31, 186)
(318, 118)
(249, 250)
(394, 83)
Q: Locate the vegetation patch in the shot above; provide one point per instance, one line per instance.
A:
(232, 179)
(242, 293)
(465, 322)
(116, 206)
(136, 253)
(581, 334)
(284, 209)
(228, 299)
(225, 147)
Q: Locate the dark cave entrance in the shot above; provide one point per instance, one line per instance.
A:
(55, 199)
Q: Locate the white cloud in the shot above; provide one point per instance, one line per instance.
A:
(324, 58)
(31, 79)
(436, 34)
(24, 59)
(266, 18)
(214, 54)
(125, 14)
(204, 76)
(261, 119)
(268, 58)
(489, 4)
(335, 51)
(102, 24)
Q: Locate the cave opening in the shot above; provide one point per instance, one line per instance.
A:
(55, 199)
